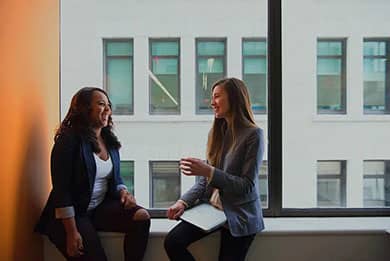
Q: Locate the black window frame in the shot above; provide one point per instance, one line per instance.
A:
(164, 40)
(197, 80)
(159, 212)
(386, 180)
(343, 76)
(105, 61)
(254, 39)
(275, 137)
(387, 73)
(342, 177)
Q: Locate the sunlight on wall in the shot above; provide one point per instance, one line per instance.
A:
(29, 85)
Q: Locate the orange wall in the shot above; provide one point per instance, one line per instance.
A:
(29, 105)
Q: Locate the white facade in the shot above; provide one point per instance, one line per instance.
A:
(307, 136)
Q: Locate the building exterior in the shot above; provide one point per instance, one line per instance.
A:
(158, 59)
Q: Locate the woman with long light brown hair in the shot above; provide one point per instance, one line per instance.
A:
(229, 179)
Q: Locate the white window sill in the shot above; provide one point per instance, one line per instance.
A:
(281, 226)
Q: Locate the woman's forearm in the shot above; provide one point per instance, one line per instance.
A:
(69, 225)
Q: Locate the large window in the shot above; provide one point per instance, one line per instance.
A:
(376, 76)
(331, 91)
(376, 183)
(331, 183)
(210, 67)
(165, 183)
(118, 73)
(254, 72)
(164, 76)
(127, 174)
(317, 87)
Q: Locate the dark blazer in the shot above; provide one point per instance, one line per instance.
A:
(73, 172)
(238, 184)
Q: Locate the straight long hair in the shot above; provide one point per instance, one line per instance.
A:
(240, 114)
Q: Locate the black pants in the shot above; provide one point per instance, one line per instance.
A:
(109, 216)
(181, 236)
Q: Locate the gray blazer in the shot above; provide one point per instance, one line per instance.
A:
(237, 181)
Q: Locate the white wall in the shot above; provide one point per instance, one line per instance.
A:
(307, 137)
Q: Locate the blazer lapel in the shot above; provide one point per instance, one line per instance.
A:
(90, 164)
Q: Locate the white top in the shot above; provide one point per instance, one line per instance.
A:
(103, 173)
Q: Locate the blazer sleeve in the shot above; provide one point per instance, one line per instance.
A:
(63, 154)
(244, 182)
(195, 192)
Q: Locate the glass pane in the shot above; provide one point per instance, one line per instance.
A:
(329, 48)
(120, 85)
(204, 89)
(374, 85)
(165, 183)
(374, 192)
(255, 66)
(257, 86)
(328, 168)
(164, 78)
(127, 174)
(328, 66)
(211, 48)
(329, 93)
(119, 49)
(331, 189)
(165, 48)
(263, 183)
(374, 168)
(165, 65)
(374, 48)
(165, 94)
(211, 65)
(209, 70)
(329, 194)
(251, 47)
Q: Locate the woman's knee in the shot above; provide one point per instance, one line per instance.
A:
(141, 214)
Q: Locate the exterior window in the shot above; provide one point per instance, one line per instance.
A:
(376, 185)
(127, 174)
(263, 182)
(165, 185)
(376, 76)
(331, 93)
(254, 71)
(210, 67)
(331, 183)
(118, 72)
(164, 80)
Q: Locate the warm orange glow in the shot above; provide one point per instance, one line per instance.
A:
(29, 85)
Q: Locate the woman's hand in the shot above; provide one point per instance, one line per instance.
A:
(176, 210)
(195, 167)
(74, 244)
(127, 199)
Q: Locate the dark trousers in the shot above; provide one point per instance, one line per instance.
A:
(181, 236)
(109, 216)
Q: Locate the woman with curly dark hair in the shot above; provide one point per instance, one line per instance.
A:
(88, 194)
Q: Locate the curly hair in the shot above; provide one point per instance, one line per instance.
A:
(77, 120)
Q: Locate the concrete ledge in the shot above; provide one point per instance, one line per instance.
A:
(302, 239)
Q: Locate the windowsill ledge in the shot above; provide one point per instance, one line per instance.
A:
(283, 226)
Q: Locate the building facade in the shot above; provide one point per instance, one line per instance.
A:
(157, 60)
